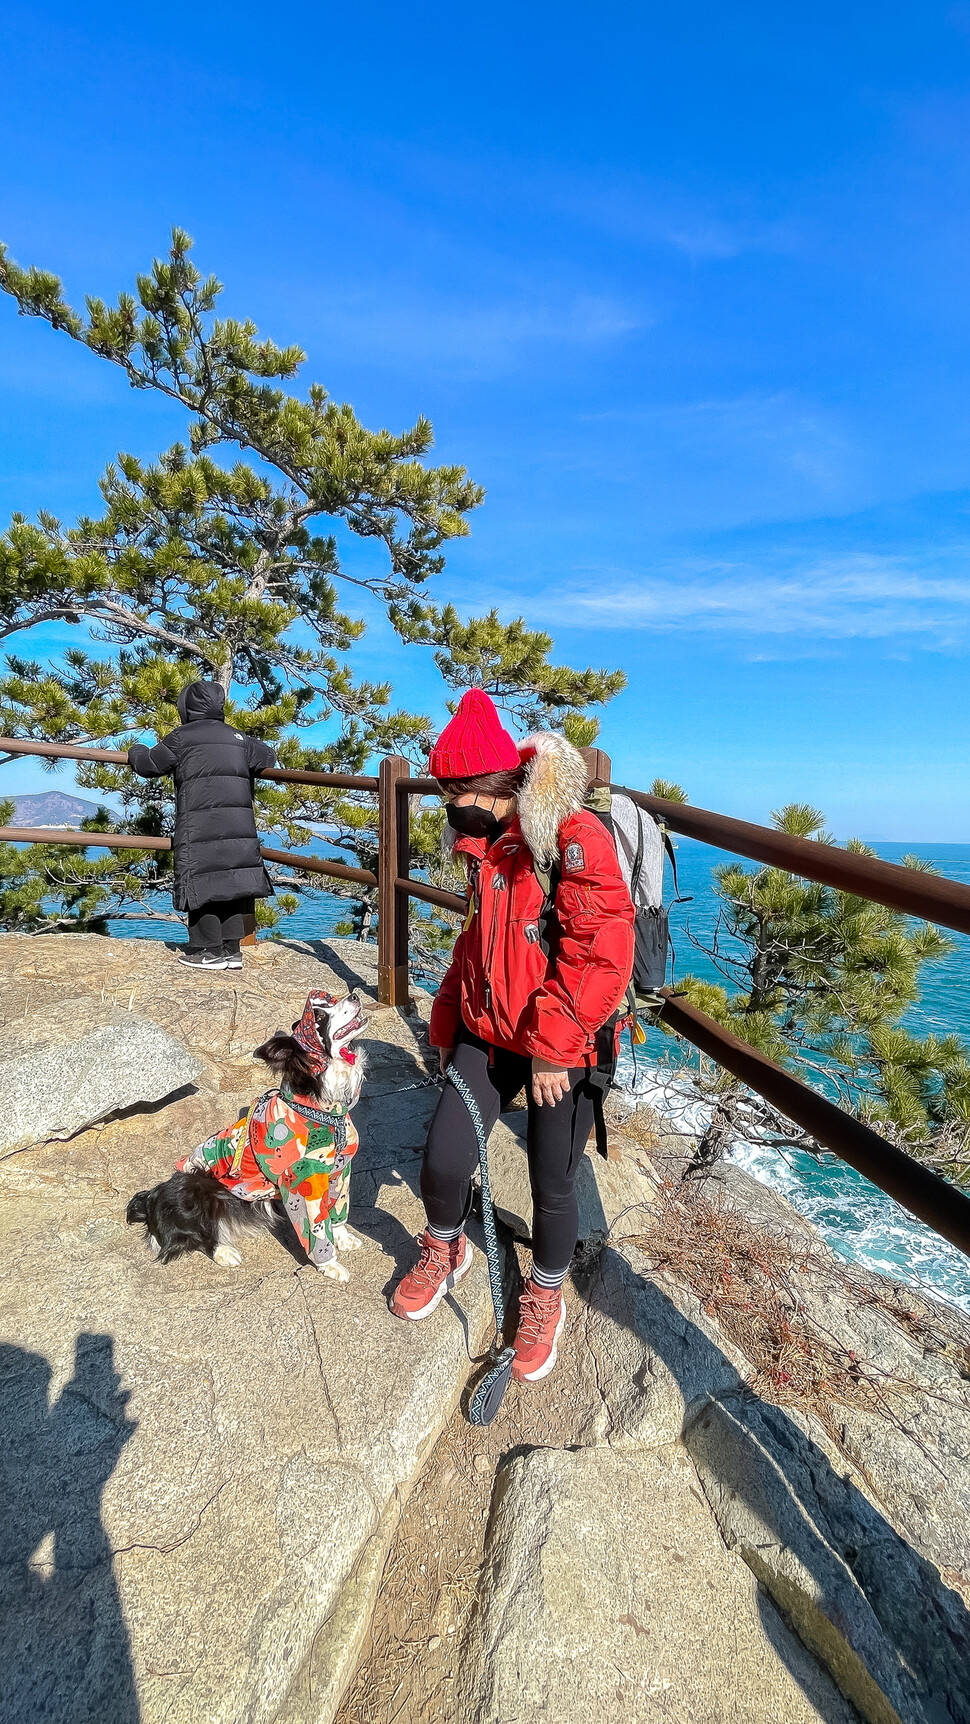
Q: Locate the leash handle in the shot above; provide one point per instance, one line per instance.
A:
(492, 1254)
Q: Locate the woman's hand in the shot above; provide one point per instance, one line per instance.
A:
(549, 1082)
(445, 1057)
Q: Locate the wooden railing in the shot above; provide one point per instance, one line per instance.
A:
(942, 1206)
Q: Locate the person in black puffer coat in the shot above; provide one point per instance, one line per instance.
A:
(219, 872)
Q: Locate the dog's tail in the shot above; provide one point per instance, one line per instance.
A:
(283, 1054)
(137, 1210)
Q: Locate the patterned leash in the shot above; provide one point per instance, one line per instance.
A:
(435, 1081)
(486, 1400)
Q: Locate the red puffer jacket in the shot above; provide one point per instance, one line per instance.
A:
(500, 983)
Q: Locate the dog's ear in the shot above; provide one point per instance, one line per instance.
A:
(279, 1051)
(285, 1056)
(137, 1210)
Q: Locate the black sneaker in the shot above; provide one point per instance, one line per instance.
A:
(232, 960)
(201, 959)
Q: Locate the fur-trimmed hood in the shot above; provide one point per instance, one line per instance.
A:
(554, 788)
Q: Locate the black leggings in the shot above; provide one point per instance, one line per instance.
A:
(555, 1140)
(220, 924)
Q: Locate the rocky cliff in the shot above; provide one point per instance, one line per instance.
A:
(252, 1496)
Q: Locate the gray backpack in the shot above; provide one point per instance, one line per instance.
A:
(641, 844)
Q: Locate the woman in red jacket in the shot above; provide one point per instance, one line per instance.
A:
(512, 1010)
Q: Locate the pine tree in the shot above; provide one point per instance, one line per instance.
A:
(198, 566)
(820, 980)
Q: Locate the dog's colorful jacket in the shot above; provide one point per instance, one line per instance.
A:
(287, 1144)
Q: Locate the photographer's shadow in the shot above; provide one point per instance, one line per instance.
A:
(65, 1646)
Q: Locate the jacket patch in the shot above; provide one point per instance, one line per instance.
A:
(574, 858)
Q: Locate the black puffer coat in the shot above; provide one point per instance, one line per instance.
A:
(216, 847)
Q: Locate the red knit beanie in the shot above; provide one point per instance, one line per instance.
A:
(474, 742)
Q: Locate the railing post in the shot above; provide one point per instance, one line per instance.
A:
(393, 849)
(598, 765)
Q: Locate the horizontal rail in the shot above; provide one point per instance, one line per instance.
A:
(942, 1206)
(113, 757)
(328, 780)
(930, 896)
(129, 841)
(81, 840)
(62, 751)
(321, 865)
(431, 894)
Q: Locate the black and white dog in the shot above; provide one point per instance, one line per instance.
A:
(295, 1143)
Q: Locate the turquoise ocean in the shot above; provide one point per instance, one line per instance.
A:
(855, 1218)
(859, 1222)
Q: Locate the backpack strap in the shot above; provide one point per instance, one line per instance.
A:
(601, 1076)
(550, 927)
(599, 1122)
(544, 877)
(602, 1073)
(637, 868)
(679, 897)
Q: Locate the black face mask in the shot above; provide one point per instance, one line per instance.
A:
(472, 821)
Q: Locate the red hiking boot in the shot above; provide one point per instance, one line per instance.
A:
(442, 1263)
(542, 1316)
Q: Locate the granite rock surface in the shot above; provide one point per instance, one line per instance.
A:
(202, 1465)
(84, 1064)
(204, 1468)
(608, 1593)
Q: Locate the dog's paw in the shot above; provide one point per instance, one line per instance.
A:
(227, 1257)
(335, 1271)
(345, 1239)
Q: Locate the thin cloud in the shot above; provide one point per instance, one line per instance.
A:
(870, 597)
(476, 339)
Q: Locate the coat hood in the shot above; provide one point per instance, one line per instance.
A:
(555, 787)
(201, 700)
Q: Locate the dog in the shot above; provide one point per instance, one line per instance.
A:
(296, 1143)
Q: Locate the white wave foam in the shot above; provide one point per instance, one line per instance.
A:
(857, 1220)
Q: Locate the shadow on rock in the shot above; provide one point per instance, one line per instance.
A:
(329, 956)
(873, 1611)
(65, 1646)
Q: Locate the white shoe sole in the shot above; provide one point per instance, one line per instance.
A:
(543, 1371)
(447, 1284)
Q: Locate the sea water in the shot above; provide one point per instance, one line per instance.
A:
(856, 1219)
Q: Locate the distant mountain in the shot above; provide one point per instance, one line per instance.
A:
(52, 808)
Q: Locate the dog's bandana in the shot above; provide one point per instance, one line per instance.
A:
(285, 1144)
(306, 1033)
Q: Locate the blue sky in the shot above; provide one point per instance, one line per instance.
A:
(686, 289)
